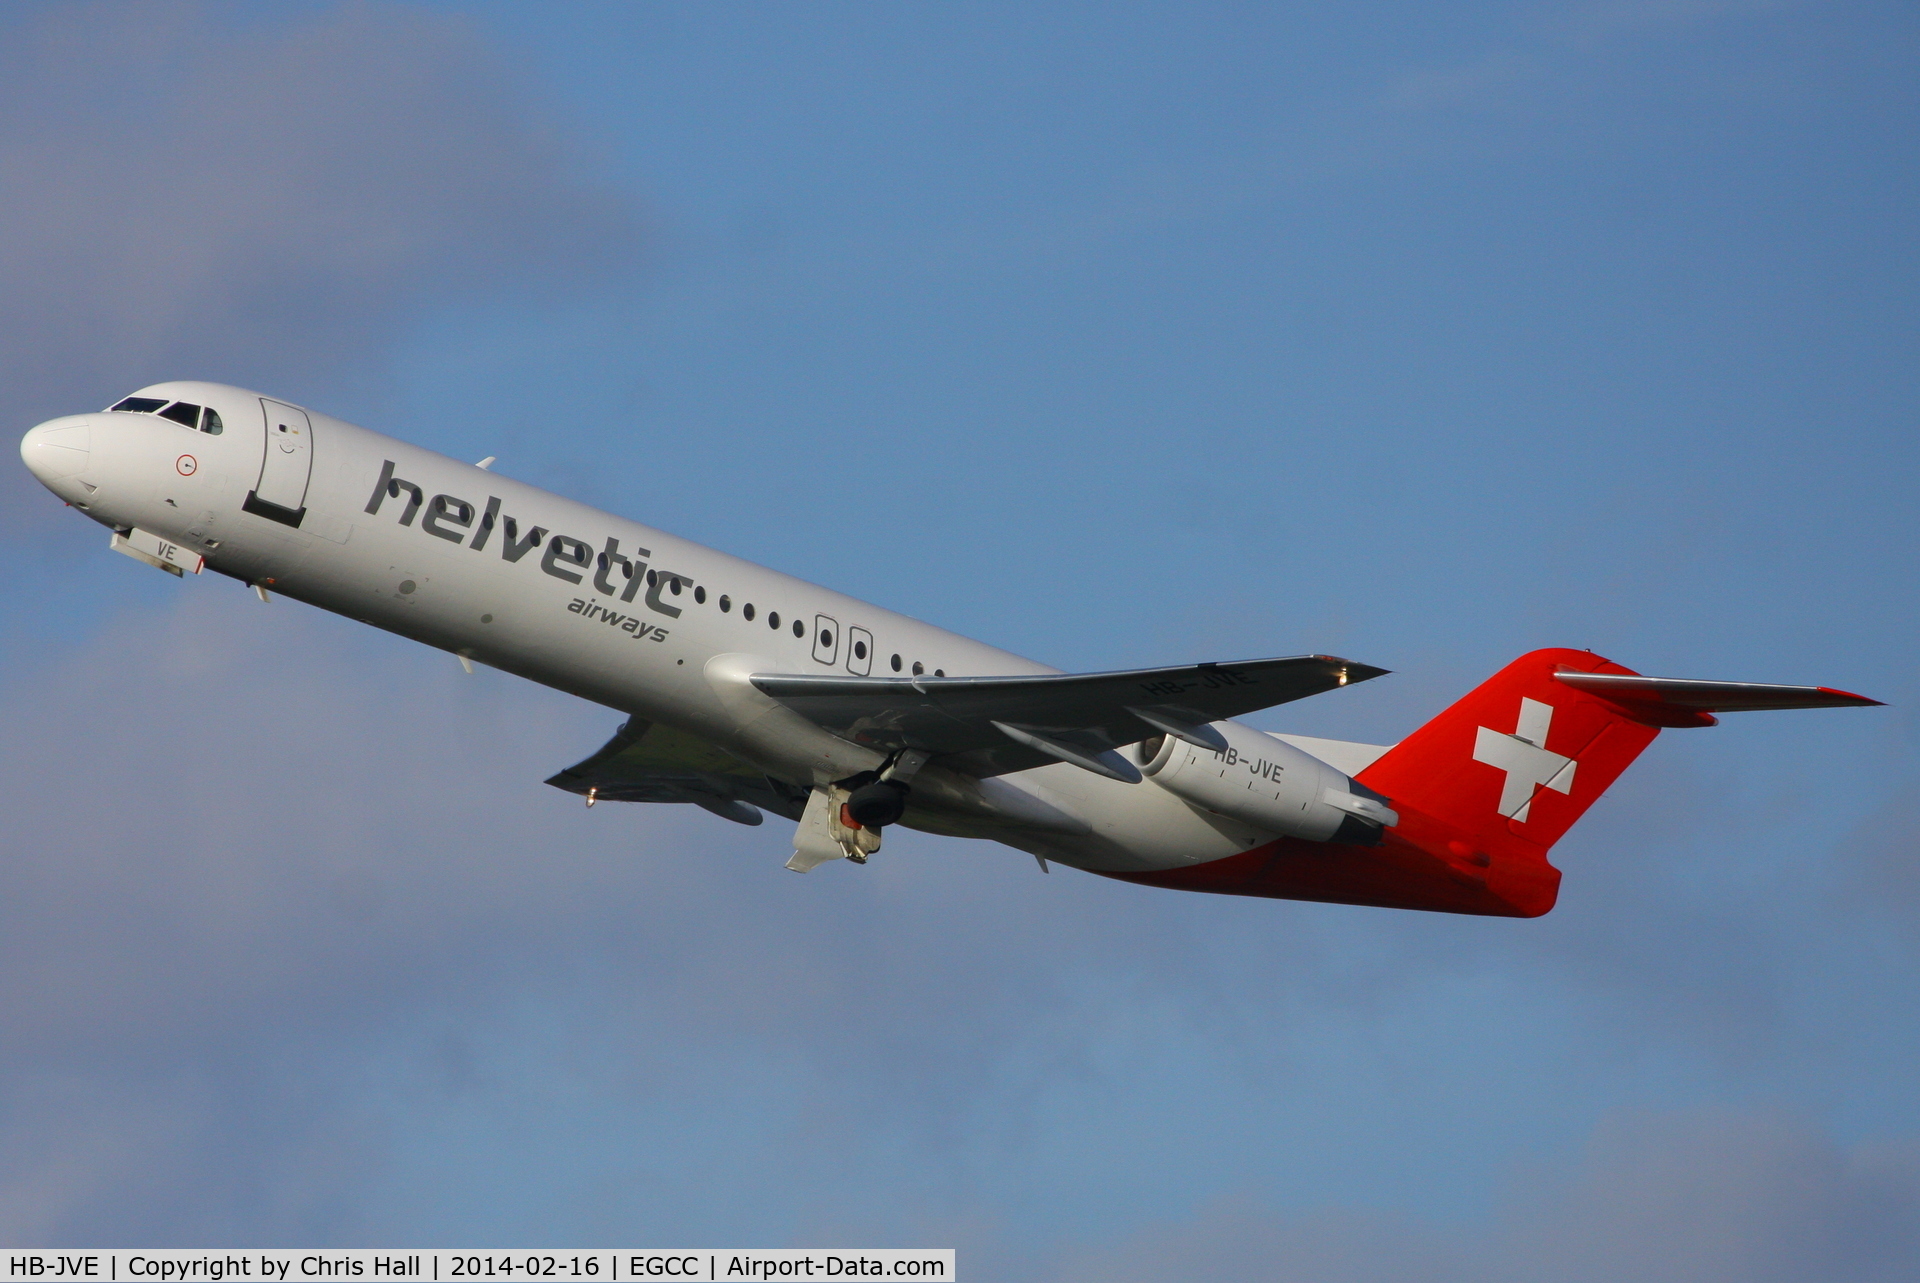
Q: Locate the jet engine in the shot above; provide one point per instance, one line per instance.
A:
(1267, 784)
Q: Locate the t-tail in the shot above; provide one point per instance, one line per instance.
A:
(1483, 791)
(1488, 786)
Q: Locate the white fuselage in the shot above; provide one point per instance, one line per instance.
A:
(444, 553)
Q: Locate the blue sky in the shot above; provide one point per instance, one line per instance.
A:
(1113, 335)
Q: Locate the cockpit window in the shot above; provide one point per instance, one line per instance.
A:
(184, 413)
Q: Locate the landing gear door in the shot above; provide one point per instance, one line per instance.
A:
(281, 493)
(859, 652)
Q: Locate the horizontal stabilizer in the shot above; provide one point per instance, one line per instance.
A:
(1677, 702)
(985, 726)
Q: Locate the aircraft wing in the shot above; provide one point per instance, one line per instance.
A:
(647, 762)
(987, 726)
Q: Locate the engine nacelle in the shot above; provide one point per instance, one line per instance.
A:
(1267, 784)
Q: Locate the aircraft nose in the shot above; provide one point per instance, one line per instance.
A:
(56, 449)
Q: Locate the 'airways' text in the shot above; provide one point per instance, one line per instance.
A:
(625, 623)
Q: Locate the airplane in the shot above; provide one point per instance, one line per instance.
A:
(748, 692)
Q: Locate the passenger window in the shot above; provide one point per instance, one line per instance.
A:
(799, 629)
(673, 585)
(726, 604)
(187, 416)
(700, 595)
(896, 663)
(210, 423)
(919, 669)
(138, 405)
(939, 672)
(773, 619)
(746, 611)
(859, 650)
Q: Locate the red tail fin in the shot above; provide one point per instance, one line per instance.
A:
(1486, 787)
(1496, 779)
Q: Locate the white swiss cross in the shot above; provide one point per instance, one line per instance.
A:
(1524, 757)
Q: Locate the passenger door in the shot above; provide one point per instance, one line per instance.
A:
(281, 493)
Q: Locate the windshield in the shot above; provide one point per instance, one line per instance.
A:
(185, 413)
